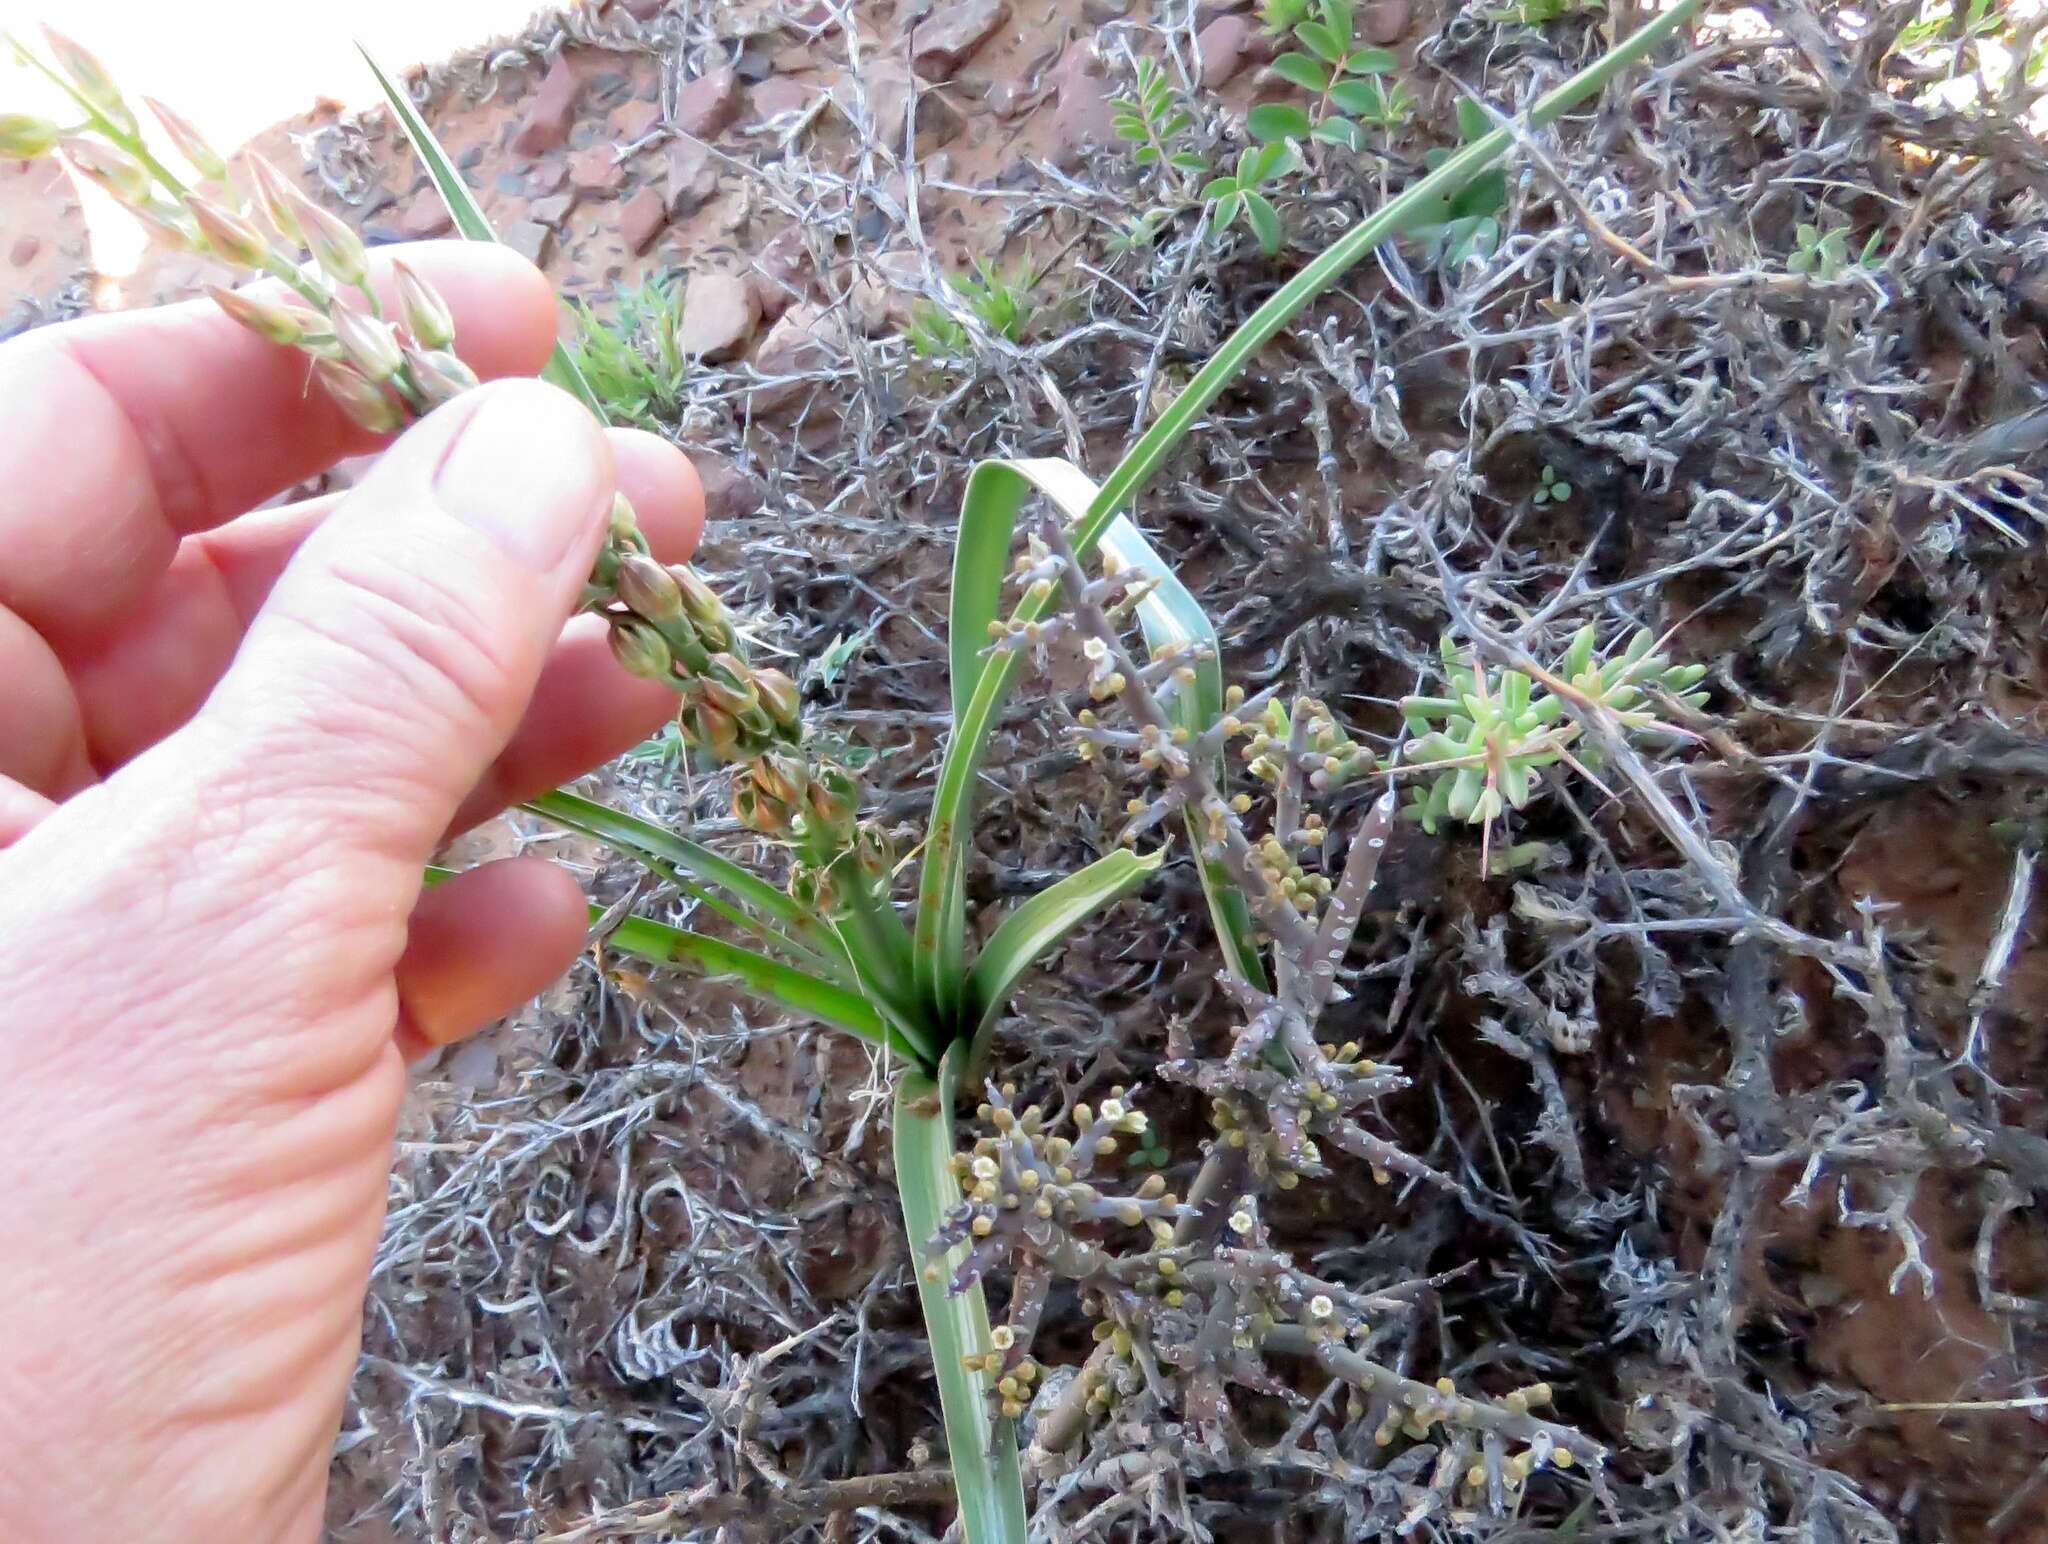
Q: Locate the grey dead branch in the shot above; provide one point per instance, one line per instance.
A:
(1738, 1081)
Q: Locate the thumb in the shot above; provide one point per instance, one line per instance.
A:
(396, 653)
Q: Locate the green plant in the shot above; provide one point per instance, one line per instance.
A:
(1825, 253)
(1001, 302)
(1344, 80)
(1154, 119)
(1238, 194)
(1537, 13)
(1551, 488)
(1462, 225)
(634, 362)
(1492, 731)
(828, 941)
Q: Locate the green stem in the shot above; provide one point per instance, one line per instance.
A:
(986, 1476)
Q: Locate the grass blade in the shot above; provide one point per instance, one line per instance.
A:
(1035, 925)
(941, 884)
(467, 213)
(986, 1476)
(1169, 616)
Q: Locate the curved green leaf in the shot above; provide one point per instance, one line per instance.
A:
(1277, 120)
(986, 1476)
(468, 214)
(1298, 69)
(1363, 97)
(1035, 925)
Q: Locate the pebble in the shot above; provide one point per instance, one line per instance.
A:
(548, 177)
(24, 251)
(636, 120)
(778, 95)
(941, 43)
(1009, 99)
(548, 116)
(782, 270)
(377, 234)
(729, 492)
(1080, 97)
(552, 210)
(707, 106)
(692, 177)
(512, 184)
(530, 239)
(470, 158)
(1385, 22)
(1222, 47)
(425, 217)
(642, 218)
(1097, 12)
(795, 344)
(643, 10)
(720, 313)
(753, 65)
(595, 173)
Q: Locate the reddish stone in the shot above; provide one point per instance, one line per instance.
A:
(636, 120)
(948, 38)
(1385, 22)
(729, 493)
(707, 106)
(782, 270)
(692, 177)
(1223, 47)
(778, 95)
(546, 122)
(642, 218)
(426, 217)
(1080, 102)
(25, 250)
(643, 10)
(795, 345)
(595, 173)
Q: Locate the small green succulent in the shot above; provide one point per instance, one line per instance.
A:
(1551, 488)
(1491, 733)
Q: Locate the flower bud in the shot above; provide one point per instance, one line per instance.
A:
(757, 813)
(269, 319)
(440, 376)
(26, 138)
(714, 730)
(113, 169)
(702, 603)
(781, 778)
(730, 685)
(369, 344)
(360, 399)
(833, 796)
(169, 222)
(640, 649)
(779, 697)
(335, 247)
(425, 312)
(648, 588)
(274, 193)
(191, 144)
(92, 80)
(227, 235)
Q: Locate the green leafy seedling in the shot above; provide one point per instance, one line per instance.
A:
(1551, 488)
(1344, 81)
(1239, 194)
(1153, 117)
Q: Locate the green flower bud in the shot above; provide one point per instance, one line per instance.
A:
(704, 607)
(713, 730)
(334, 245)
(730, 684)
(358, 397)
(24, 137)
(649, 589)
(369, 344)
(780, 778)
(191, 143)
(440, 376)
(640, 649)
(425, 312)
(275, 193)
(227, 235)
(779, 697)
(114, 169)
(92, 80)
(267, 318)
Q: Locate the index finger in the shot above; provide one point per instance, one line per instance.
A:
(127, 432)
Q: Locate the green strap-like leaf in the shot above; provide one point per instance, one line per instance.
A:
(1035, 925)
(983, 1452)
(468, 214)
(941, 907)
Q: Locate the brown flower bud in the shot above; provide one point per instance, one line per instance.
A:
(227, 235)
(92, 80)
(714, 730)
(833, 796)
(729, 683)
(191, 143)
(704, 607)
(425, 312)
(279, 323)
(781, 778)
(648, 588)
(24, 137)
(640, 648)
(369, 343)
(358, 397)
(779, 697)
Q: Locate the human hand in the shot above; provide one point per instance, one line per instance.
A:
(228, 743)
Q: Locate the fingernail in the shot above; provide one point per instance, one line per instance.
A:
(530, 469)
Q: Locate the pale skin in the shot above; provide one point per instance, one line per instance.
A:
(228, 744)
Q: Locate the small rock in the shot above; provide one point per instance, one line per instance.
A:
(595, 172)
(377, 234)
(719, 316)
(729, 493)
(890, 89)
(795, 345)
(1384, 22)
(941, 43)
(636, 120)
(1222, 47)
(778, 95)
(753, 65)
(471, 158)
(24, 251)
(545, 124)
(1009, 99)
(530, 239)
(692, 177)
(643, 10)
(426, 217)
(610, 88)
(883, 292)
(642, 218)
(782, 269)
(511, 184)
(552, 210)
(546, 178)
(1080, 100)
(1209, 10)
(1098, 12)
(707, 106)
